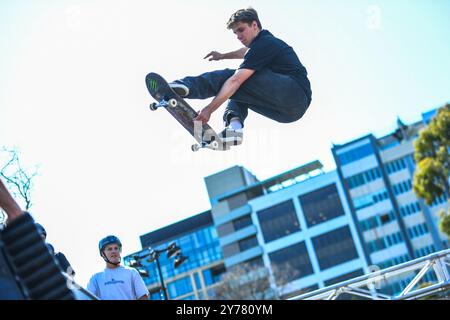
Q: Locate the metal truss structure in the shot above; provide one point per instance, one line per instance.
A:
(367, 286)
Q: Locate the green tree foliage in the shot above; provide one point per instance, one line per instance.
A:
(428, 180)
(433, 162)
(444, 223)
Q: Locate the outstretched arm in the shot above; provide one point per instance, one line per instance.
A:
(238, 54)
(8, 203)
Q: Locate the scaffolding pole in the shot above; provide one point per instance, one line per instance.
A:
(438, 263)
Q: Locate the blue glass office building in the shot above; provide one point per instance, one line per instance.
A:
(297, 225)
(393, 224)
(198, 240)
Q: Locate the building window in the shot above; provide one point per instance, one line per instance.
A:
(417, 231)
(213, 275)
(344, 277)
(377, 221)
(334, 247)
(409, 209)
(321, 205)
(198, 284)
(179, 287)
(393, 262)
(387, 217)
(255, 263)
(393, 239)
(402, 187)
(237, 201)
(363, 178)
(156, 294)
(355, 154)
(225, 229)
(241, 199)
(439, 200)
(424, 251)
(278, 221)
(385, 242)
(234, 248)
(370, 199)
(231, 249)
(248, 243)
(395, 165)
(376, 245)
(242, 222)
(290, 263)
(235, 225)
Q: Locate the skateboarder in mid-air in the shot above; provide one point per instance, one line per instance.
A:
(270, 81)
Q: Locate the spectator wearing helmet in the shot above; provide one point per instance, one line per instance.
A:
(116, 282)
(59, 256)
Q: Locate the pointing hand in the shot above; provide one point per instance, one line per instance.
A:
(214, 56)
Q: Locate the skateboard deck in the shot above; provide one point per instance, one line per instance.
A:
(168, 99)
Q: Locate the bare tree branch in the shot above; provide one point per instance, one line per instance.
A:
(253, 282)
(20, 181)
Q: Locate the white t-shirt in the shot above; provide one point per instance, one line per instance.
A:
(121, 283)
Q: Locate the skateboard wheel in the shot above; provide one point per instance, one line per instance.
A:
(214, 144)
(153, 106)
(173, 103)
(195, 147)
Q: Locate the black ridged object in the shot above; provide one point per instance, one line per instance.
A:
(33, 263)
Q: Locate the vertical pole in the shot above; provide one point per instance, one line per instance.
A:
(161, 276)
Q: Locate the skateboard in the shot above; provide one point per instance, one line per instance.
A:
(168, 99)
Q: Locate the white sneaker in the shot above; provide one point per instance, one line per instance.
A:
(179, 88)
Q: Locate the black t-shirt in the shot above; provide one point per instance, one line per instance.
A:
(267, 51)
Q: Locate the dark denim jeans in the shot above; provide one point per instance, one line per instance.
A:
(276, 96)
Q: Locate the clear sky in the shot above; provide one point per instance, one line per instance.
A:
(74, 101)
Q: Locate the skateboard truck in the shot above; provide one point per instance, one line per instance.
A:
(203, 144)
(172, 103)
(214, 144)
(163, 104)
